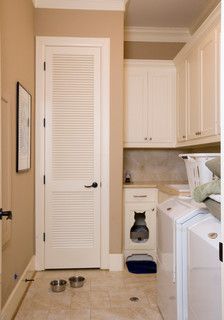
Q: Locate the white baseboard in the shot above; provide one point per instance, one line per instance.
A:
(15, 297)
(116, 262)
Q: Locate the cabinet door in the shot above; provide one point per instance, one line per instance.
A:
(135, 105)
(218, 43)
(193, 102)
(208, 84)
(182, 102)
(161, 106)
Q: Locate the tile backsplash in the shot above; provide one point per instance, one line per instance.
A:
(154, 165)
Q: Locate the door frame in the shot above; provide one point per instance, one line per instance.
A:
(222, 145)
(104, 45)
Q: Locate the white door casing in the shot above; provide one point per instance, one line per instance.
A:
(64, 186)
(0, 186)
(222, 145)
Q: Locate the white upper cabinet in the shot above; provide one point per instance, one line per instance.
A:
(149, 104)
(208, 89)
(161, 106)
(198, 85)
(136, 105)
(181, 102)
(193, 102)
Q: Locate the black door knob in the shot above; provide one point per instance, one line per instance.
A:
(7, 214)
(93, 185)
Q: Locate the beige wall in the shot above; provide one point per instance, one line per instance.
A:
(151, 50)
(17, 27)
(78, 23)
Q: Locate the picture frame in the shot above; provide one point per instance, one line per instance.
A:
(23, 128)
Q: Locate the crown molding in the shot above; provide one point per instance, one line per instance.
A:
(213, 19)
(110, 5)
(151, 34)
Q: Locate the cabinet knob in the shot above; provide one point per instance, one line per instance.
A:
(184, 137)
(145, 138)
(150, 139)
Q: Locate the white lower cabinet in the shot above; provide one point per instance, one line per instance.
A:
(140, 221)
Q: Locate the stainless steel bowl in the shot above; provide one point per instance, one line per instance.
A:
(76, 281)
(58, 285)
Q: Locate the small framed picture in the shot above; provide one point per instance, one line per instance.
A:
(23, 118)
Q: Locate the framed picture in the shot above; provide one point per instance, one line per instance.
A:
(23, 106)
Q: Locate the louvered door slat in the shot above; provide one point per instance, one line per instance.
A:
(72, 212)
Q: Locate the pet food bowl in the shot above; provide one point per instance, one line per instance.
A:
(76, 281)
(58, 285)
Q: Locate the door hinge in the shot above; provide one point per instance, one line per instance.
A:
(44, 122)
(44, 237)
(221, 251)
(44, 65)
(44, 179)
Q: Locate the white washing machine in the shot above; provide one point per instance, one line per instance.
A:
(204, 270)
(174, 216)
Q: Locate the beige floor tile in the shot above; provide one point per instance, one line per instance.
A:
(105, 295)
(82, 314)
(35, 314)
(107, 283)
(99, 299)
(80, 300)
(122, 298)
(125, 313)
(61, 300)
(59, 314)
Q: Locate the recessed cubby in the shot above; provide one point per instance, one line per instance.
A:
(139, 231)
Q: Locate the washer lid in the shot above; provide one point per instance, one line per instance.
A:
(179, 209)
(208, 230)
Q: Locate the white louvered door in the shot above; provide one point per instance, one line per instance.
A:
(72, 154)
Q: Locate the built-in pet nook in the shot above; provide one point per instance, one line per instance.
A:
(139, 231)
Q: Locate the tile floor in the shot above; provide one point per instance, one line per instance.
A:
(105, 296)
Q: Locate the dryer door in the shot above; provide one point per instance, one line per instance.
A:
(204, 272)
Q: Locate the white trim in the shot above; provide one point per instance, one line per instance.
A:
(213, 19)
(16, 296)
(110, 5)
(222, 148)
(41, 44)
(35, 3)
(117, 262)
(148, 63)
(150, 34)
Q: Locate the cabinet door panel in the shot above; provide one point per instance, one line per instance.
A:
(208, 90)
(135, 106)
(193, 103)
(181, 102)
(218, 55)
(161, 109)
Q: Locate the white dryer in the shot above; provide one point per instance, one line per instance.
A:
(204, 270)
(173, 218)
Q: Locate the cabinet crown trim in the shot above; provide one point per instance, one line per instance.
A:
(148, 63)
(213, 18)
(150, 34)
(106, 5)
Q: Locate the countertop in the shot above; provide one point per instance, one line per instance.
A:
(163, 186)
